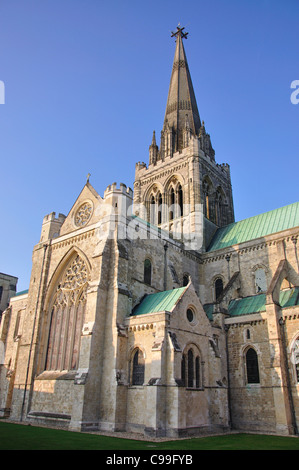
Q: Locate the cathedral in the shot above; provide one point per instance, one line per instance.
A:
(152, 310)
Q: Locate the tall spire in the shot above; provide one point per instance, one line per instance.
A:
(181, 102)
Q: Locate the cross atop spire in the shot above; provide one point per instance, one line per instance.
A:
(179, 32)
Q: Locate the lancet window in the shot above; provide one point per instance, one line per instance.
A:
(220, 204)
(137, 367)
(172, 204)
(218, 286)
(175, 198)
(67, 314)
(191, 374)
(207, 199)
(147, 274)
(159, 197)
(252, 367)
(154, 208)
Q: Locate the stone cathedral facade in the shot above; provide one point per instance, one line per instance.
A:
(153, 310)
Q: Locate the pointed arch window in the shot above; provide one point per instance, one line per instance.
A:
(137, 368)
(66, 320)
(218, 287)
(252, 368)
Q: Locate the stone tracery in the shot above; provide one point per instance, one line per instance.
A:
(67, 313)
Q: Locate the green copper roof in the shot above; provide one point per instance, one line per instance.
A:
(253, 304)
(289, 298)
(160, 302)
(256, 227)
(21, 293)
(257, 303)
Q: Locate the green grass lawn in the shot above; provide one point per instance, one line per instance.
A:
(23, 437)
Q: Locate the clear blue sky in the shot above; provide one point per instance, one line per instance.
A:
(86, 84)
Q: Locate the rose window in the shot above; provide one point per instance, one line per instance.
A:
(83, 214)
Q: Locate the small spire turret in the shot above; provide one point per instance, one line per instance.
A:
(153, 151)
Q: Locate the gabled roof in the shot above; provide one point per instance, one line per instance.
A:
(159, 302)
(255, 227)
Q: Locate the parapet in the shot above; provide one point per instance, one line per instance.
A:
(51, 218)
(140, 166)
(51, 226)
(123, 189)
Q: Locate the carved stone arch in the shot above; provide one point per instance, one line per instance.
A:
(153, 190)
(133, 348)
(260, 266)
(207, 182)
(191, 344)
(174, 180)
(60, 268)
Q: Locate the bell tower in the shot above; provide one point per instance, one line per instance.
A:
(182, 175)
